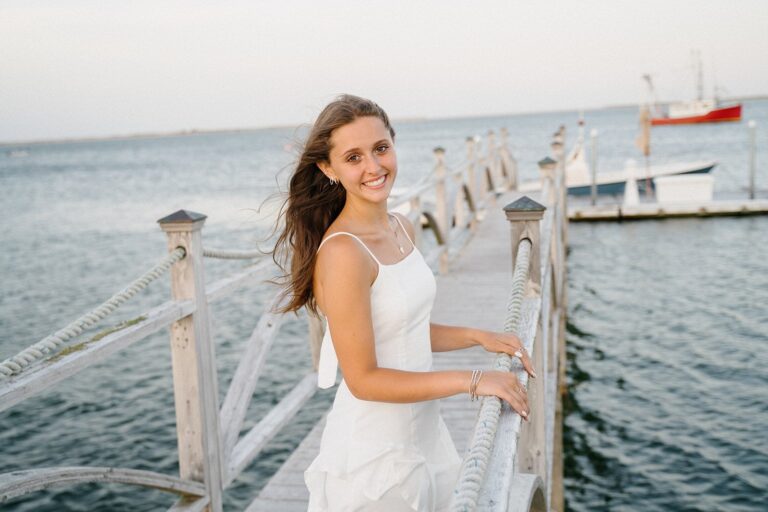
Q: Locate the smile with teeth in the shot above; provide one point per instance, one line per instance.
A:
(377, 182)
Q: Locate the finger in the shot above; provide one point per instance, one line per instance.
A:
(520, 407)
(519, 399)
(528, 365)
(522, 354)
(522, 395)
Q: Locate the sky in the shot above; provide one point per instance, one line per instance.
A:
(87, 68)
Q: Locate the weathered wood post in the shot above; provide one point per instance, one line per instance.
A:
(441, 206)
(194, 362)
(472, 182)
(547, 171)
(508, 159)
(558, 150)
(491, 158)
(524, 216)
(418, 235)
(593, 162)
(553, 331)
(471, 164)
(752, 151)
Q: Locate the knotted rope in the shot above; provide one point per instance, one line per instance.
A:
(467, 491)
(48, 345)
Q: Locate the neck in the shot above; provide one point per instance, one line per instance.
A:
(365, 217)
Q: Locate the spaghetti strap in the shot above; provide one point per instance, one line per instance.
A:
(356, 238)
(404, 230)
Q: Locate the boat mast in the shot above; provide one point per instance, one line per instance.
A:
(652, 99)
(696, 55)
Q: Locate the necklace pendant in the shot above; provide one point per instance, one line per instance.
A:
(402, 251)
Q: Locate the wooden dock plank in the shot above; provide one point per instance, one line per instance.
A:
(473, 293)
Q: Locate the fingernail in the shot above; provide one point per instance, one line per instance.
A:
(524, 414)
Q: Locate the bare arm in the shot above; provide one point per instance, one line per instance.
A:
(448, 337)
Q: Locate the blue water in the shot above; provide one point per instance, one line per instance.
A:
(668, 399)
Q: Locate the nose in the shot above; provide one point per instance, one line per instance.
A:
(374, 163)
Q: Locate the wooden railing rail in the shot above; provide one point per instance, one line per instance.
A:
(523, 470)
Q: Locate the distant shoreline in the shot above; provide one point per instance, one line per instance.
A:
(193, 132)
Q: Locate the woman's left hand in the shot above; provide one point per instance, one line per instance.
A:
(508, 343)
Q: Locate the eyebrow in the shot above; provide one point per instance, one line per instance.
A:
(358, 149)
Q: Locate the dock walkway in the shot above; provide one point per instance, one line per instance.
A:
(474, 293)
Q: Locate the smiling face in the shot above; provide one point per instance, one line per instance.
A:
(363, 159)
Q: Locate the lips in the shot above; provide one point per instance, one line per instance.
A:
(378, 182)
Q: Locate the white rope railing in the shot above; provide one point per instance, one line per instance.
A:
(472, 476)
(50, 344)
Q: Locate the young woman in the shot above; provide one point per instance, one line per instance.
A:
(385, 446)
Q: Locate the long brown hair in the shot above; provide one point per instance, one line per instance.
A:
(313, 203)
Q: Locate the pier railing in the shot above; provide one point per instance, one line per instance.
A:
(513, 465)
(212, 453)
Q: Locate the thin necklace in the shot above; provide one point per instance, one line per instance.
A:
(397, 241)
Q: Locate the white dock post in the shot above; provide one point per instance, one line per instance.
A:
(524, 216)
(418, 235)
(471, 176)
(558, 151)
(493, 162)
(631, 196)
(195, 387)
(547, 171)
(441, 207)
(509, 160)
(593, 164)
(752, 152)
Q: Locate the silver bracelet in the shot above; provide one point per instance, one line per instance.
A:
(473, 382)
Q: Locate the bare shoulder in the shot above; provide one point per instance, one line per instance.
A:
(344, 269)
(407, 224)
(344, 256)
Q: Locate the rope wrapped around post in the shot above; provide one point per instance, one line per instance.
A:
(49, 344)
(467, 492)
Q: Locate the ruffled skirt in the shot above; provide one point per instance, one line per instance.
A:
(373, 470)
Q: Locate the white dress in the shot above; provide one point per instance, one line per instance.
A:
(378, 456)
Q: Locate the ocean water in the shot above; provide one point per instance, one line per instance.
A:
(668, 392)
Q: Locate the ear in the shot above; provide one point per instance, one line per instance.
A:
(325, 167)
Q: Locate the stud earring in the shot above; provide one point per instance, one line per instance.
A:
(332, 180)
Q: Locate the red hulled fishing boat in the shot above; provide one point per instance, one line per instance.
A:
(699, 110)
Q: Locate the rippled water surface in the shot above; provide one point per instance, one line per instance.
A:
(667, 405)
(668, 402)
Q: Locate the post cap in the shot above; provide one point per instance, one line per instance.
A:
(524, 204)
(547, 162)
(182, 217)
(524, 208)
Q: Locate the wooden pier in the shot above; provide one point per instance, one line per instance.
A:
(655, 210)
(501, 264)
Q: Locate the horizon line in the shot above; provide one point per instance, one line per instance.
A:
(204, 131)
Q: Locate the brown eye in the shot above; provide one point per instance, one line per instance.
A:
(382, 148)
